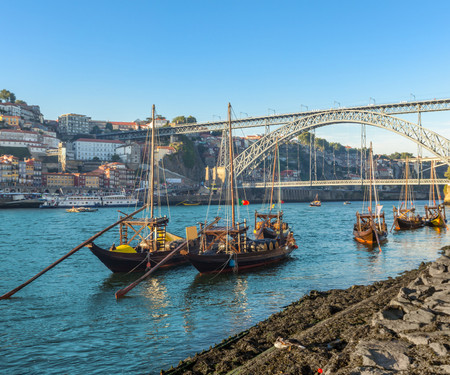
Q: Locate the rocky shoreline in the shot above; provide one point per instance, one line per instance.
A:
(399, 326)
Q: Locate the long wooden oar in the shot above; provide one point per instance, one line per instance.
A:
(74, 250)
(120, 293)
(374, 227)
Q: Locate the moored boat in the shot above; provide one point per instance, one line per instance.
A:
(316, 202)
(143, 242)
(370, 227)
(405, 216)
(227, 247)
(435, 215)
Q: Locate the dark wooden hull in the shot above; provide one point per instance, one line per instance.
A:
(126, 262)
(222, 263)
(405, 224)
(368, 236)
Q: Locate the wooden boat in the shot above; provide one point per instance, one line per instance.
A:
(144, 242)
(370, 227)
(315, 202)
(82, 209)
(347, 202)
(405, 216)
(188, 203)
(435, 210)
(227, 248)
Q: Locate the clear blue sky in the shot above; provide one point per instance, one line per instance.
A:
(111, 60)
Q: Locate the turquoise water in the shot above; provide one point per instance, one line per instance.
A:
(68, 320)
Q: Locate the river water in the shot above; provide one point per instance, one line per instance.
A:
(68, 320)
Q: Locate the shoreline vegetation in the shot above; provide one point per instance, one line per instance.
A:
(400, 325)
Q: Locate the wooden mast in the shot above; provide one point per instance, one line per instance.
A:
(152, 163)
(371, 171)
(406, 182)
(230, 148)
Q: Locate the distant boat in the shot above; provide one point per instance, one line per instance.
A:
(435, 210)
(370, 228)
(405, 216)
(347, 202)
(82, 209)
(20, 200)
(315, 202)
(188, 203)
(118, 200)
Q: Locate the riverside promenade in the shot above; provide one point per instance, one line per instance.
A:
(396, 326)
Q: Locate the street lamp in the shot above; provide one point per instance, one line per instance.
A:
(372, 99)
(339, 104)
(270, 109)
(244, 114)
(301, 105)
(220, 118)
(413, 96)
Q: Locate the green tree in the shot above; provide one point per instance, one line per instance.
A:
(109, 127)
(447, 174)
(179, 120)
(191, 120)
(115, 157)
(95, 158)
(96, 130)
(7, 96)
(18, 101)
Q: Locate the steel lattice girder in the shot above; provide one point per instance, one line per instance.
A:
(253, 155)
(280, 119)
(288, 184)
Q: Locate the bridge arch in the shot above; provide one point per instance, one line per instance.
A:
(253, 155)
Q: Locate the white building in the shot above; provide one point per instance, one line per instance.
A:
(87, 149)
(129, 153)
(73, 124)
(25, 112)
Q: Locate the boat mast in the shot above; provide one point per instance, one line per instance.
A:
(152, 163)
(406, 183)
(230, 148)
(371, 172)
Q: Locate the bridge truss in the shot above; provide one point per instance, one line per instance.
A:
(328, 183)
(253, 155)
(281, 119)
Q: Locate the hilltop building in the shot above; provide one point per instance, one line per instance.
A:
(73, 124)
(87, 149)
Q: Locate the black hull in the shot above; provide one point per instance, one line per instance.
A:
(26, 203)
(222, 263)
(126, 262)
(404, 224)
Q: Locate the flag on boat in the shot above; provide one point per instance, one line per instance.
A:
(379, 208)
(243, 202)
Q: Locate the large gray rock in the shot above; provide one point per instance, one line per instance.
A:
(386, 355)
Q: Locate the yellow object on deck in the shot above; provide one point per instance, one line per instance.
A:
(124, 249)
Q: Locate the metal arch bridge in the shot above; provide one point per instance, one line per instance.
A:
(281, 119)
(292, 184)
(257, 152)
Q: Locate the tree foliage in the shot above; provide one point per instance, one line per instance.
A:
(447, 174)
(115, 157)
(398, 155)
(109, 127)
(184, 120)
(7, 96)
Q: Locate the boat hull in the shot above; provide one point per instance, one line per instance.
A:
(368, 237)
(437, 222)
(130, 262)
(222, 263)
(405, 224)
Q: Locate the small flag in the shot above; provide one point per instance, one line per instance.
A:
(243, 202)
(282, 202)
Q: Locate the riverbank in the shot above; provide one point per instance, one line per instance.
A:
(399, 325)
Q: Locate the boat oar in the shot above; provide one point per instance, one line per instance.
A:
(74, 250)
(120, 293)
(374, 227)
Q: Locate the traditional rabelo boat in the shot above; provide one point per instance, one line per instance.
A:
(316, 202)
(370, 227)
(435, 210)
(405, 216)
(143, 242)
(227, 247)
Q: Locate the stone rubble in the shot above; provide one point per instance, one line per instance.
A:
(418, 323)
